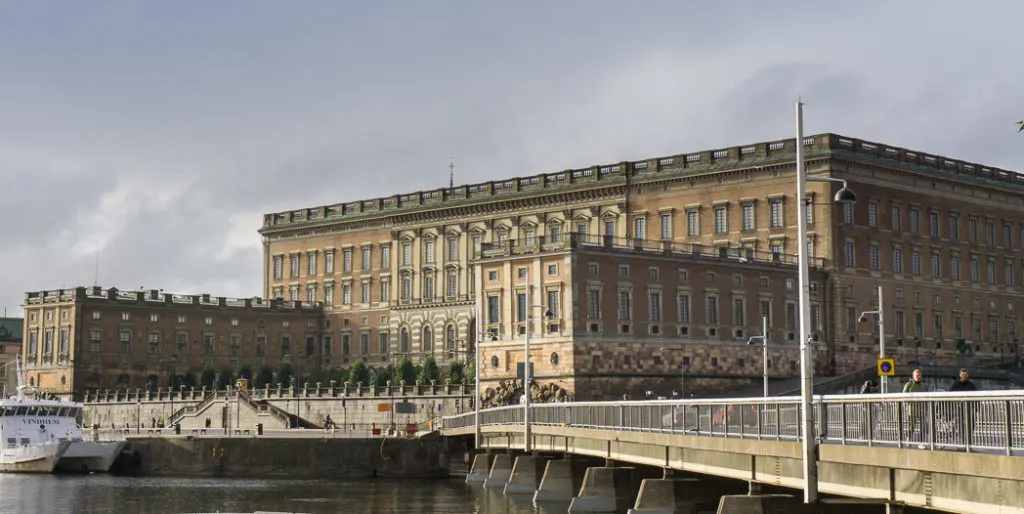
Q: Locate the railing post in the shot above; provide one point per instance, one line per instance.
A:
(1008, 425)
(931, 425)
(869, 419)
(967, 426)
(842, 424)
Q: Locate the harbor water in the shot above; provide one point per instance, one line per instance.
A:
(58, 494)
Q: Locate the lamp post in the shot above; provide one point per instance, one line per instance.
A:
(764, 344)
(526, 362)
(884, 381)
(844, 195)
(682, 371)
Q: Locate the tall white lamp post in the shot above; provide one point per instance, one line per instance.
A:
(526, 363)
(881, 335)
(763, 338)
(844, 195)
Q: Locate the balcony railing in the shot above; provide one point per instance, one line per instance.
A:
(575, 240)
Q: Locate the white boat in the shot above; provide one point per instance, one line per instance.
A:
(34, 434)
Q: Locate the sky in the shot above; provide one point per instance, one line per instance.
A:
(151, 136)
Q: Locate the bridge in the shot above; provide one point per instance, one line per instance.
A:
(954, 452)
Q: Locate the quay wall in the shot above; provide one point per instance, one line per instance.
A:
(265, 457)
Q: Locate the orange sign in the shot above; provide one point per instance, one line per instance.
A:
(383, 407)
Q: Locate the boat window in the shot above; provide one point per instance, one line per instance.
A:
(25, 441)
(11, 442)
(22, 411)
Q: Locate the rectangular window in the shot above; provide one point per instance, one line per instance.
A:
(640, 226)
(553, 304)
(311, 264)
(900, 325)
(790, 315)
(692, 223)
(453, 249)
(991, 272)
(624, 305)
(654, 305)
(933, 223)
(346, 294)
(529, 238)
(954, 227)
(918, 324)
(975, 272)
(936, 266)
(897, 259)
(872, 214)
(721, 220)
(286, 344)
(407, 254)
(328, 294)
(346, 344)
(208, 344)
(1007, 236)
(915, 263)
(385, 256)
(847, 212)
(406, 288)
(990, 233)
(954, 267)
(364, 260)
(385, 290)
(683, 309)
(775, 219)
(428, 286)
(294, 265)
(329, 262)
(428, 251)
(809, 211)
(311, 294)
(748, 216)
(95, 340)
(874, 256)
(293, 293)
(1008, 273)
(453, 284)
(278, 267)
(346, 260)
(493, 310)
(972, 230)
(181, 341)
(848, 253)
(364, 292)
(937, 326)
(915, 221)
(666, 226)
(896, 215)
(739, 312)
(594, 304)
(556, 236)
(766, 309)
(712, 310)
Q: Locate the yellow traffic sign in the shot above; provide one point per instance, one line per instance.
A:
(886, 367)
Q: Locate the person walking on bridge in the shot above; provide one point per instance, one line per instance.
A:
(963, 383)
(914, 411)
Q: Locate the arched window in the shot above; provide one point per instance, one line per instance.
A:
(449, 337)
(428, 340)
(404, 340)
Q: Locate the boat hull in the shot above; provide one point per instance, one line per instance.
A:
(89, 457)
(36, 458)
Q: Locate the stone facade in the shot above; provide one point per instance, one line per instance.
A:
(950, 283)
(10, 347)
(91, 338)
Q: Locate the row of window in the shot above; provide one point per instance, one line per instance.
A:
(953, 224)
(428, 284)
(899, 325)
(954, 269)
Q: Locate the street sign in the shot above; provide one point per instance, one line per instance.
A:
(886, 367)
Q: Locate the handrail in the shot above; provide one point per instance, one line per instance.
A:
(982, 421)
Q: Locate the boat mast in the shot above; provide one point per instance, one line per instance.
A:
(21, 379)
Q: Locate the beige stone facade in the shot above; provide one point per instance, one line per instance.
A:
(91, 338)
(950, 283)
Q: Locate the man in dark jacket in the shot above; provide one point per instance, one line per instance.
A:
(964, 383)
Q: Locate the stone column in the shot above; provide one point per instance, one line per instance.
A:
(480, 469)
(675, 495)
(526, 474)
(558, 483)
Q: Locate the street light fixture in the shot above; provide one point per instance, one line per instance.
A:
(884, 383)
(764, 344)
(844, 195)
(682, 371)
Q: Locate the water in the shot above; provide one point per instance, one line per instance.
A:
(57, 494)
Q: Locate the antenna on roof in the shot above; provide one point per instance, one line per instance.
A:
(451, 172)
(96, 277)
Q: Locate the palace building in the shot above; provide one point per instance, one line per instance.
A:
(706, 241)
(90, 338)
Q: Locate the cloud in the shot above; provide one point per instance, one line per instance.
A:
(155, 135)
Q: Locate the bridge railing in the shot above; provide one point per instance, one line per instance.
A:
(991, 422)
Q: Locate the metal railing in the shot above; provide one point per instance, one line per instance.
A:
(984, 422)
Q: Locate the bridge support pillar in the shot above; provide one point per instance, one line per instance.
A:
(681, 495)
(481, 468)
(501, 469)
(764, 504)
(561, 481)
(605, 490)
(526, 474)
